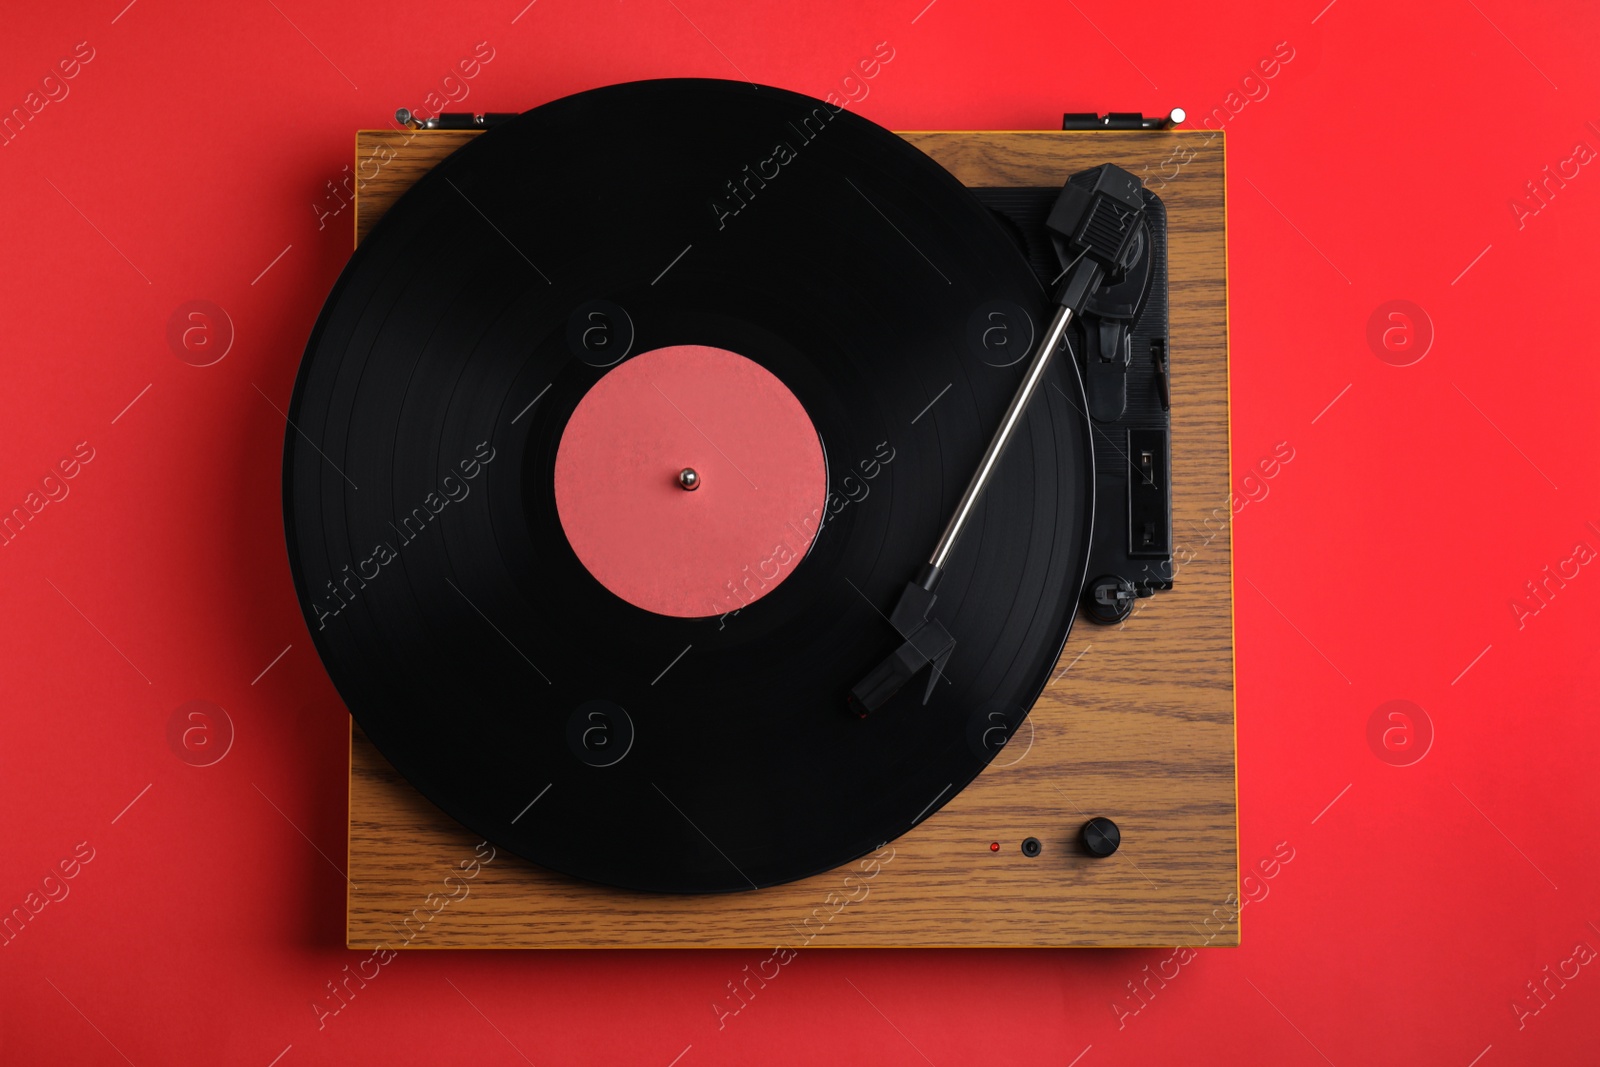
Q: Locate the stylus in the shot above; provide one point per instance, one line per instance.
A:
(1093, 224)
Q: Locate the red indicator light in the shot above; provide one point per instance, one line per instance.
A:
(994, 846)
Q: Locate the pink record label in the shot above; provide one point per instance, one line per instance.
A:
(690, 481)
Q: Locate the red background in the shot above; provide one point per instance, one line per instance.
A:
(1382, 563)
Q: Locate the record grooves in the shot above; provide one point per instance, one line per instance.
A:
(462, 630)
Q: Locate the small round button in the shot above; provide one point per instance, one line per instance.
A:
(1100, 836)
(1031, 846)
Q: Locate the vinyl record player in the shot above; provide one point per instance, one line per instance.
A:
(621, 455)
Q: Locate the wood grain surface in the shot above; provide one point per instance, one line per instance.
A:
(1137, 723)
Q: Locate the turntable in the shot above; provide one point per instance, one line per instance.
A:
(692, 492)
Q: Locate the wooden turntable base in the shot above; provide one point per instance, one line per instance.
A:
(1137, 723)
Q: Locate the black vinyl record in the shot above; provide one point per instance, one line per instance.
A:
(468, 640)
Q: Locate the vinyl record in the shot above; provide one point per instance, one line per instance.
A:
(490, 321)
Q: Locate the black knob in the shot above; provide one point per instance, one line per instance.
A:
(1100, 836)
